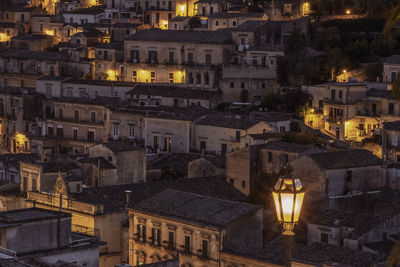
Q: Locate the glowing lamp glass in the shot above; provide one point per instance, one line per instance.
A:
(288, 195)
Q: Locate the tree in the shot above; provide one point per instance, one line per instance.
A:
(294, 100)
(194, 22)
(272, 101)
(390, 21)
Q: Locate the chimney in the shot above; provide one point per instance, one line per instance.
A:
(127, 196)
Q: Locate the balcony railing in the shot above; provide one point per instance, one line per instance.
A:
(85, 230)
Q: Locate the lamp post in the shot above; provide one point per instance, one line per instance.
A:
(288, 194)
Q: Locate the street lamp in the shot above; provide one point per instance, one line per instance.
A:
(288, 194)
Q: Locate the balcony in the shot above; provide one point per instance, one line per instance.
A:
(85, 230)
(73, 121)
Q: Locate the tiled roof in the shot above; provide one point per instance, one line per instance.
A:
(171, 91)
(99, 100)
(122, 146)
(58, 167)
(350, 158)
(227, 121)
(112, 45)
(7, 24)
(31, 36)
(252, 25)
(38, 55)
(99, 82)
(179, 18)
(94, 10)
(181, 114)
(271, 116)
(373, 92)
(104, 164)
(180, 161)
(28, 215)
(236, 15)
(319, 254)
(14, 90)
(287, 147)
(125, 25)
(382, 247)
(222, 36)
(361, 223)
(198, 209)
(392, 125)
(394, 59)
(113, 197)
(325, 253)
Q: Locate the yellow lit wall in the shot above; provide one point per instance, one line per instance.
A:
(144, 76)
(164, 25)
(4, 37)
(111, 75)
(306, 9)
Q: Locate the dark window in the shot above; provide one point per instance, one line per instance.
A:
(232, 85)
(50, 131)
(75, 134)
(224, 149)
(187, 243)
(394, 75)
(171, 239)
(60, 132)
(391, 108)
(349, 176)
(152, 57)
(286, 157)
(135, 55)
(60, 113)
(175, 102)
(171, 57)
(206, 78)
(231, 181)
(324, 238)
(93, 117)
(34, 185)
(208, 59)
(76, 115)
(190, 58)
(333, 95)
(269, 156)
(25, 185)
(90, 136)
(243, 184)
(157, 18)
(204, 250)
(340, 94)
(237, 136)
(203, 145)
